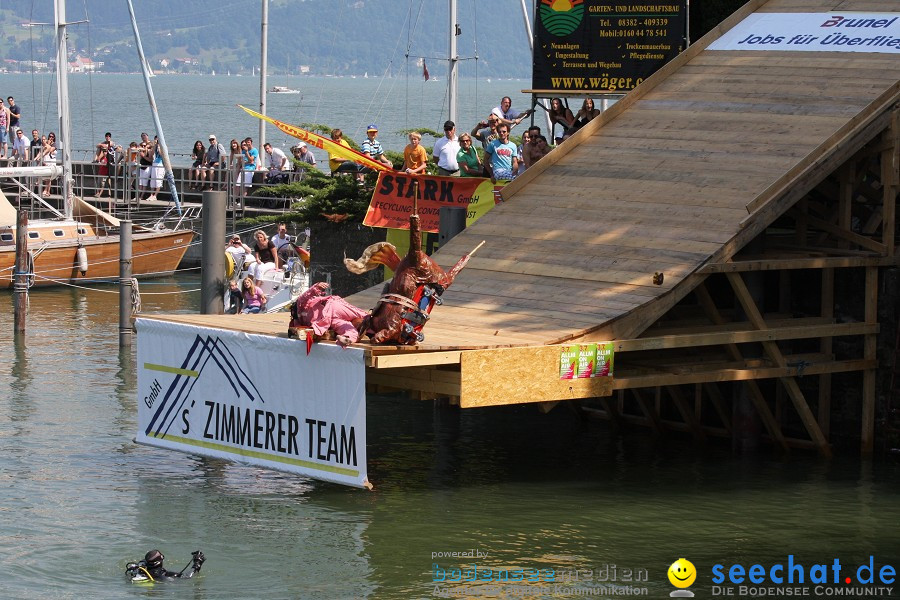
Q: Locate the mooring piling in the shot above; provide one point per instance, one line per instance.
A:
(212, 278)
(125, 286)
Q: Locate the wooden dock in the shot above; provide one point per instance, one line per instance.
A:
(745, 179)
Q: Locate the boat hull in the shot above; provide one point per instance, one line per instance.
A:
(154, 254)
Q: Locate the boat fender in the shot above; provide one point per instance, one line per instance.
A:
(229, 265)
(81, 259)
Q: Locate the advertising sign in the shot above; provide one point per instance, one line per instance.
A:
(815, 32)
(253, 399)
(584, 361)
(603, 45)
(394, 197)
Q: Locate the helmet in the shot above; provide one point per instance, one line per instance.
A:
(154, 559)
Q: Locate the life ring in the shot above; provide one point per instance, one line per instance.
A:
(229, 265)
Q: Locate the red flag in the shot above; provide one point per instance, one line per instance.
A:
(425, 71)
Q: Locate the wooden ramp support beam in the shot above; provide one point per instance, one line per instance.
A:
(774, 353)
(756, 395)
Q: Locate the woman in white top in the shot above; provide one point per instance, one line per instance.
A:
(48, 155)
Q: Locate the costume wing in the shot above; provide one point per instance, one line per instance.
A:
(381, 253)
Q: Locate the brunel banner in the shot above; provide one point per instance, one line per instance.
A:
(253, 399)
(393, 198)
(604, 46)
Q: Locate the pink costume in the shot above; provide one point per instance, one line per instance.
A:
(327, 313)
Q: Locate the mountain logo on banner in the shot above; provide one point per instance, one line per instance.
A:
(561, 17)
(205, 351)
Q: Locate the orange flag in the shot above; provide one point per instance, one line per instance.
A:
(321, 142)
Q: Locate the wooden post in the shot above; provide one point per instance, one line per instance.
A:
(125, 287)
(826, 347)
(890, 182)
(20, 277)
(867, 436)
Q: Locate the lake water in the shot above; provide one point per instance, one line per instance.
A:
(191, 106)
(78, 498)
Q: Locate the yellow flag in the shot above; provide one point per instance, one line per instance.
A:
(321, 142)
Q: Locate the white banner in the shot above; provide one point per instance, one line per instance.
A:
(254, 399)
(815, 32)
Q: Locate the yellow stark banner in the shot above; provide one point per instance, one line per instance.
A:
(392, 200)
(321, 142)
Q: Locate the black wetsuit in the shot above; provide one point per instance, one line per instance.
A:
(162, 574)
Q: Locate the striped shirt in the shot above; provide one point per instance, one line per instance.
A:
(372, 147)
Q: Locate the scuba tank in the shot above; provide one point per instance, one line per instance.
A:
(137, 572)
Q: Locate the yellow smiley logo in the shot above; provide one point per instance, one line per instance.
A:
(682, 573)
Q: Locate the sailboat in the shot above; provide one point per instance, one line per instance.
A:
(83, 242)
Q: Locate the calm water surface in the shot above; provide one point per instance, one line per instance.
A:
(192, 106)
(78, 498)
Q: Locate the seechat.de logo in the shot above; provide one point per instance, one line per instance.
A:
(561, 17)
(682, 575)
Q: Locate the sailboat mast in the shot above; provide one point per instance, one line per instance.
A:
(453, 72)
(62, 99)
(264, 66)
(163, 148)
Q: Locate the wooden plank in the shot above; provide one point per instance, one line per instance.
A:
(417, 359)
(627, 381)
(432, 381)
(521, 375)
(746, 336)
(844, 234)
(784, 264)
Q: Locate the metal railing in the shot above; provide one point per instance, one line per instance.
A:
(127, 184)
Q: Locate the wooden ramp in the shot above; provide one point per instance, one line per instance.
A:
(682, 172)
(706, 224)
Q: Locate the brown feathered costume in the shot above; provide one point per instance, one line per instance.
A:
(384, 325)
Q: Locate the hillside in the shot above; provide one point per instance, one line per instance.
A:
(330, 37)
(345, 37)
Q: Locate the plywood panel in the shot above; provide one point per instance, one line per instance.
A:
(521, 375)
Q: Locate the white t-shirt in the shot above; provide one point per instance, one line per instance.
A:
(510, 115)
(446, 149)
(280, 242)
(275, 158)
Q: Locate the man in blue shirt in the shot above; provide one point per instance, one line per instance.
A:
(250, 159)
(372, 147)
(503, 163)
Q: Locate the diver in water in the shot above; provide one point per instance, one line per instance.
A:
(151, 568)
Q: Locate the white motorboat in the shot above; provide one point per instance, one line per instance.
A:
(281, 89)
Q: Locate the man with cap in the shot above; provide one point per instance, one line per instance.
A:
(213, 161)
(153, 563)
(303, 154)
(445, 151)
(371, 147)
